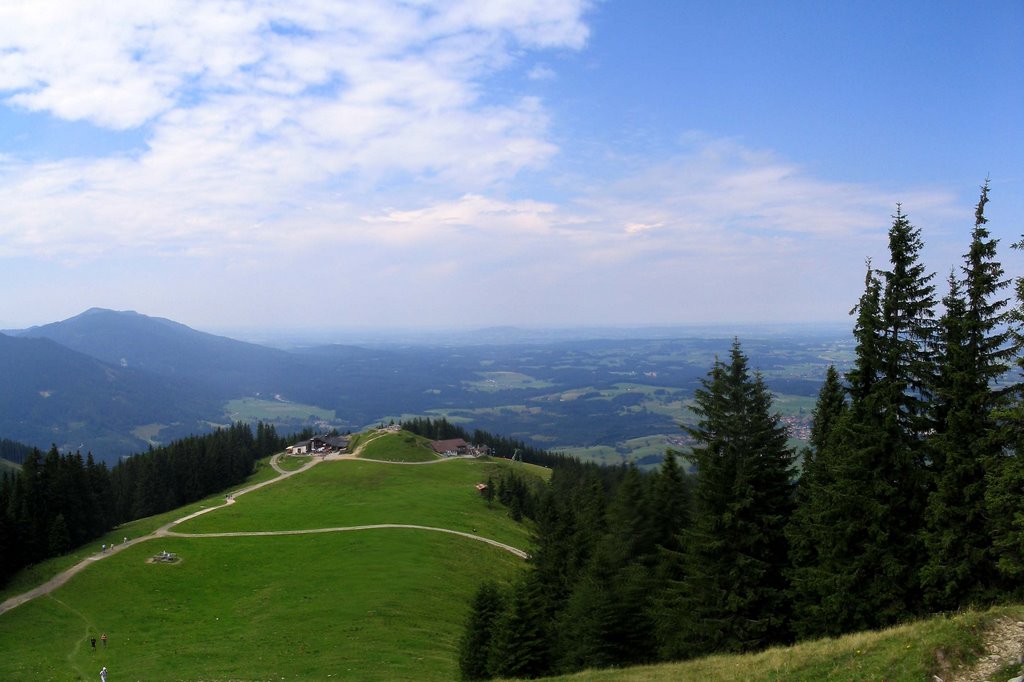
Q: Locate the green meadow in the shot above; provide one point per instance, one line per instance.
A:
(398, 447)
(503, 381)
(382, 604)
(256, 409)
(356, 493)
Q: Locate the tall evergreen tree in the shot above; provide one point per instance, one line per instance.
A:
(607, 619)
(1005, 475)
(891, 423)
(860, 530)
(975, 350)
(908, 309)
(733, 596)
(521, 640)
(867, 333)
(813, 502)
(475, 646)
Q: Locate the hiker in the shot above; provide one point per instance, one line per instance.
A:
(104, 639)
(93, 641)
(103, 674)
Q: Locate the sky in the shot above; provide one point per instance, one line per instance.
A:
(305, 164)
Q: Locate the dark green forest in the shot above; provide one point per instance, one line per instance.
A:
(907, 501)
(59, 501)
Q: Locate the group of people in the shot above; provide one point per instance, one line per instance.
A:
(103, 670)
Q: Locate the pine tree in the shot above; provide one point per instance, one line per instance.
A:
(975, 349)
(858, 535)
(886, 441)
(475, 646)
(1005, 475)
(733, 595)
(908, 307)
(867, 364)
(813, 501)
(521, 641)
(607, 619)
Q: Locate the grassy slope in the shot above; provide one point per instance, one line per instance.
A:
(399, 447)
(36, 575)
(356, 493)
(372, 605)
(908, 653)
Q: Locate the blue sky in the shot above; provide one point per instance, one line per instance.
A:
(242, 165)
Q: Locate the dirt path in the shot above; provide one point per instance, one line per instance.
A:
(165, 531)
(1004, 644)
(341, 529)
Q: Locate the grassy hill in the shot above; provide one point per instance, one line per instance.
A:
(380, 604)
(949, 647)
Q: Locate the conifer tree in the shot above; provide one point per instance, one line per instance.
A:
(908, 308)
(670, 502)
(521, 641)
(475, 646)
(892, 421)
(1005, 474)
(871, 484)
(867, 364)
(733, 596)
(607, 619)
(975, 349)
(813, 502)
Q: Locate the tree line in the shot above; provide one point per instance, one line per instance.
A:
(59, 501)
(13, 451)
(907, 501)
(498, 446)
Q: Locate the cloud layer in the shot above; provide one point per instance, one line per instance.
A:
(387, 133)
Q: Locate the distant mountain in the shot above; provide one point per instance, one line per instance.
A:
(116, 381)
(54, 395)
(224, 367)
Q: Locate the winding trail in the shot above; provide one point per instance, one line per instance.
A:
(165, 530)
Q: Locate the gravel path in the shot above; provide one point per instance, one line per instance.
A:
(1004, 644)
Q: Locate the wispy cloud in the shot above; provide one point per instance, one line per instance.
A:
(256, 108)
(280, 130)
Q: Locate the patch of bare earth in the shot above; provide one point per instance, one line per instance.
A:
(1004, 646)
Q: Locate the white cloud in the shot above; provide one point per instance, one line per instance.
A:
(541, 73)
(254, 109)
(300, 131)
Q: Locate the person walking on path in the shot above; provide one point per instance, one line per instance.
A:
(104, 640)
(93, 640)
(103, 674)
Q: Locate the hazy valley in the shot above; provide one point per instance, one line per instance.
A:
(114, 383)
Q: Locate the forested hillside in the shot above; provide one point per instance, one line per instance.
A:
(908, 503)
(59, 501)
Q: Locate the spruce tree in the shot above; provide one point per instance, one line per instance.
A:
(975, 349)
(867, 333)
(1005, 474)
(521, 640)
(859, 533)
(733, 596)
(812, 500)
(475, 646)
(607, 619)
(891, 423)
